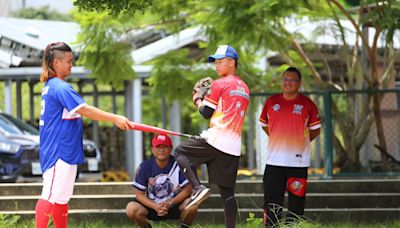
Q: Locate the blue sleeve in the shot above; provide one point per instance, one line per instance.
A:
(141, 178)
(69, 98)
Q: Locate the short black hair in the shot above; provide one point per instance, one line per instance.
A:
(293, 69)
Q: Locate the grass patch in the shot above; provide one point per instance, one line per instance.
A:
(252, 222)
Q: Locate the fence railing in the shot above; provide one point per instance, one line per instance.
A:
(352, 141)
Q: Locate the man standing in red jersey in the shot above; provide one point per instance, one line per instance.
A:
(291, 121)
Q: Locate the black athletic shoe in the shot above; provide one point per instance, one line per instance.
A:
(199, 196)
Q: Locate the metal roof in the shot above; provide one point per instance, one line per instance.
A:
(37, 33)
(171, 42)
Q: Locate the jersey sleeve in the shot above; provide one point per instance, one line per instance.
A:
(264, 114)
(71, 99)
(211, 99)
(140, 181)
(314, 122)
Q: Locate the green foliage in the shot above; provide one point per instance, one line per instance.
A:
(174, 75)
(103, 51)
(42, 13)
(9, 220)
(383, 15)
(253, 221)
(115, 7)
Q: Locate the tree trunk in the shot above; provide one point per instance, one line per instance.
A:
(380, 132)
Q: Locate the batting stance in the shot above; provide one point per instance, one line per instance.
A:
(291, 122)
(226, 104)
(61, 147)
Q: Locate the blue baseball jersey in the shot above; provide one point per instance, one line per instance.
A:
(60, 125)
(160, 184)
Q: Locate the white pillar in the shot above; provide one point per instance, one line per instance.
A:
(261, 141)
(133, 139)
(137, 117)
(7, 97)
(175, 120)
(261, 136)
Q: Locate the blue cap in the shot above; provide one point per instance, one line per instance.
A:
(224, 51)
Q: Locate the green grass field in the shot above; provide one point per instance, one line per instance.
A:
(16, 221)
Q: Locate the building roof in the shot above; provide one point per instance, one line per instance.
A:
(22, 40)
(37, 33)
(168, 43)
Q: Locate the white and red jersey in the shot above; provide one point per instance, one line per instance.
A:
(229, 97)
(289, 123)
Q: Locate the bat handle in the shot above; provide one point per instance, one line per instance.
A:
(186, 135)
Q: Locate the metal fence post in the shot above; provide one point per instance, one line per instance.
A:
(327, 126)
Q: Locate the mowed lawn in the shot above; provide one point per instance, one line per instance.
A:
(15, 221)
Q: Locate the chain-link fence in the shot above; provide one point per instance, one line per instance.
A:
(360, 133)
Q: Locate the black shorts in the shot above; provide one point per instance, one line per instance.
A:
(222, 167)
(173, 213)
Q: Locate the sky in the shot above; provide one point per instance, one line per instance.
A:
(62, 6)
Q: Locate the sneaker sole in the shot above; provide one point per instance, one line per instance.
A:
(203, 196)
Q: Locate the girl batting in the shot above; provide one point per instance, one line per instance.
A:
(60, 123)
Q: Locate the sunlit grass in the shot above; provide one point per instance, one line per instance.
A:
(16, 221)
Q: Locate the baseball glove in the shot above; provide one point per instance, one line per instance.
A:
(202, 87)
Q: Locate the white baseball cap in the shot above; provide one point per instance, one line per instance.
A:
(224, 51)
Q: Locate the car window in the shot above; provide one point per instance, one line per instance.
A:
(8, 126)
(21, 125)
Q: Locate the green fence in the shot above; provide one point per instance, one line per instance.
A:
(352, 141)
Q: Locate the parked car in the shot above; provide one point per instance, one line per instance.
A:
(16, 156)
(19, 150)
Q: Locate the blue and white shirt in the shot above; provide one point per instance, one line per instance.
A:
(60, 125)
(159, 184)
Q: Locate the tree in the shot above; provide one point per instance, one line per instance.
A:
(103, 52)
(44, 13)
(260, 26)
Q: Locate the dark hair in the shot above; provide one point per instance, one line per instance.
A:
(49, 56)
(293, 69)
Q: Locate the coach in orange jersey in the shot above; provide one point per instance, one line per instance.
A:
(219, 146)
(291, 121)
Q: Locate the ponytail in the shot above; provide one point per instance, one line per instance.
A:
(49, 56)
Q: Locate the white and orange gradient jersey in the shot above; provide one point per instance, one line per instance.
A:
(229, 97)
(289, 123)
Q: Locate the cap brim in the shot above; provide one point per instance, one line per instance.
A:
(212, 58)
(165, 144)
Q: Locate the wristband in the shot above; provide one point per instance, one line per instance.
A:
(195, 100)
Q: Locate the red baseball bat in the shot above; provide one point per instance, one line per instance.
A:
(148, 128)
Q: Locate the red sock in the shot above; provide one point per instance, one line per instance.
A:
(60, 215)
(43, 212)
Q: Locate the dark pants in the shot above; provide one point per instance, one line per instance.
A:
(222, 170)
(222, 167)
(276, 181)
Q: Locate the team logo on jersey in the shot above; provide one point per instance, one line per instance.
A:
(238, 104)
(276, 107)
(297, 109)
(240, 91)
(161, 187)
